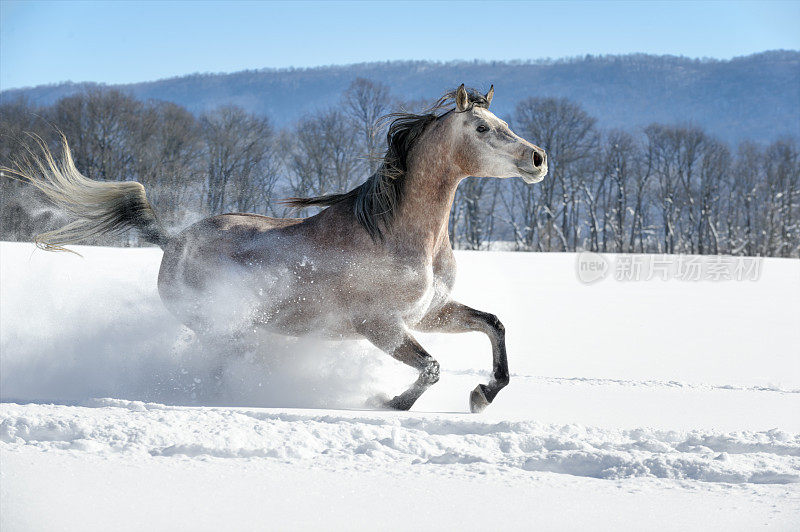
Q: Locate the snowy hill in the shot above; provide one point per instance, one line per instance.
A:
(753, 97)
(637, 404)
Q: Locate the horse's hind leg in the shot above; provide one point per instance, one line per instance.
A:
(219, 349)
(408, 351)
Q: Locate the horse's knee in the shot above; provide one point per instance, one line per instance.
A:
(430, 373)
(491, 321)
(495, 323)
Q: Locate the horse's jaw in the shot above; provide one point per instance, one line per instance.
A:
(532, 178)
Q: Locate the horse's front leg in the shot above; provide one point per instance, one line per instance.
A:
(394, 339)
(454, 317)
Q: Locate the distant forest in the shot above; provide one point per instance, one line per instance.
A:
(662, 188)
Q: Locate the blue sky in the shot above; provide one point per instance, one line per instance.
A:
(121, 42)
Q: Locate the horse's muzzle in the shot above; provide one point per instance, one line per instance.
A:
(534, 165)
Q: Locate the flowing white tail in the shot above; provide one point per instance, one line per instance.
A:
(100, 207)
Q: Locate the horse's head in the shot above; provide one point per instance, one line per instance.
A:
(484, 145)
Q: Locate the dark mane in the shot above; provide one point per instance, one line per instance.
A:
(377, 198)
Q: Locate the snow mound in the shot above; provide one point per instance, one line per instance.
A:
(383, 439)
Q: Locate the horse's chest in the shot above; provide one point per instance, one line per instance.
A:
(432, 289)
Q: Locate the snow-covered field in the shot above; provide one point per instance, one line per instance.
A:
(641, 404)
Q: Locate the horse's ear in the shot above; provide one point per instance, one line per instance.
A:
(462, 100)
(489, 96)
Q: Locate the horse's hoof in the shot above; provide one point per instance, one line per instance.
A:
(477, 400)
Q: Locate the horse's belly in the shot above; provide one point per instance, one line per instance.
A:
(308, 312)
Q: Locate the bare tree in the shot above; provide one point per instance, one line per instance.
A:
(622, 162)
(520, 212)
(475, 204)
(782, 176)
(18, 202)
(167, 151)
(98, 124)
(662, 158)
(238, 145)
(324, 156)
(568, 135)
(365, 102)
(714, 166)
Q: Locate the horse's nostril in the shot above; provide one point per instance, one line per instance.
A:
(537, 159)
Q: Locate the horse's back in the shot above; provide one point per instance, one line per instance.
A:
(222, 237)
(237, 225)
(226, 231)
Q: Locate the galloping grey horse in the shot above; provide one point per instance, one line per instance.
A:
(375, 264)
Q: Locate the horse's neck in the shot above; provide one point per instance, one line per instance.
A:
(424, 213)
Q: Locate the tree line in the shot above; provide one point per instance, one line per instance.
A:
(668, 188)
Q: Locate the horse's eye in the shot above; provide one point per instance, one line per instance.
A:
(482, 129)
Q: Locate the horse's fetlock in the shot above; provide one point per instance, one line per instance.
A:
(502, 379)
(430, 373)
